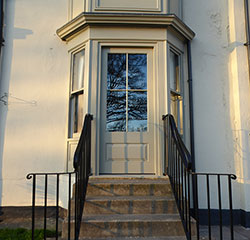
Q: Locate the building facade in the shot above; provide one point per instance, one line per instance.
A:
(127, 63)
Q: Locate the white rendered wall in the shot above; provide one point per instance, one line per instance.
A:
(35, 74)
(36, 70)
(221, 91)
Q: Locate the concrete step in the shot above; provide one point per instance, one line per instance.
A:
(138, 238)
(127, 205)
(113, 226)
(130, 205)
(129, 208)
(129, 187)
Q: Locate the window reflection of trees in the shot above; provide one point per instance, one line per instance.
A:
(116, 71)
(126, 107)
(116, 111)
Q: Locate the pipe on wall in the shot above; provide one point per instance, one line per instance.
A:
(191, 112)
(247, 24)
(1, 25)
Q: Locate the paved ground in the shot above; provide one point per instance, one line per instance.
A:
(240, 233)
(22, 218)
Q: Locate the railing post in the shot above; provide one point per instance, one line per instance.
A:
(33, 207)
(45, 205)
(231, 206)
(69, 207)
(219, 201)
(76, 205)
(196, 204)
(57, 203)
(208, 207)
(189, 208)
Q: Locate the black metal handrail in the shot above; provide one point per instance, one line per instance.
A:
(186, 185)
(82, 165)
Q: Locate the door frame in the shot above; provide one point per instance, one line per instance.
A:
(133, 138)
(159, 62)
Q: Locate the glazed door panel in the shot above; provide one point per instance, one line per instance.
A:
(127, 111)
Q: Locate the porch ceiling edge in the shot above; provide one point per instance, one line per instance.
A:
(79, 23)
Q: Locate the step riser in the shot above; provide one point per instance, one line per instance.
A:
(96, 207)
(129, 229)
(129, 190)
(129, 207)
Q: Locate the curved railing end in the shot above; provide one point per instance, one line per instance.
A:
(29, 176)
(233, 176)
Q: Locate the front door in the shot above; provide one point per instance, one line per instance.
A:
(127, 111)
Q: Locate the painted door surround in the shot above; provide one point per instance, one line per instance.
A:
(127, 111)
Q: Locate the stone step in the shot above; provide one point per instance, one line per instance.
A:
(127, 205)
(129, 187)
(128, 208)
(114, 226)
(138, 238)
(130, 205)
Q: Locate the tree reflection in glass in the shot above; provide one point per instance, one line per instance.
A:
(127, 92)
(116, 78)
(137, 111)
(116, 111)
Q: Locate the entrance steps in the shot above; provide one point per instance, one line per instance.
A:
(129, 208)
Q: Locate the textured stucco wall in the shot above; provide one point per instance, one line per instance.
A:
(35, 76)
(221, 90)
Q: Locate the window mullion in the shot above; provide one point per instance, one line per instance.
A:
(127, 92)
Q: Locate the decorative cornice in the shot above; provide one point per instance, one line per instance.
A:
(83, 20)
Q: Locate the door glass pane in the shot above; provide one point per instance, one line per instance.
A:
(116, 78)
(137, 71)
(116, 111)
(78, 70)
(126, 92)
(137, 111)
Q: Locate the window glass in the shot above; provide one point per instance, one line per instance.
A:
(78, 70)
(116, 111)
(76, 94)
(116, 78)
(174, 71)
(175, 90)
(137, 111)
(137, 71)
(126, 93)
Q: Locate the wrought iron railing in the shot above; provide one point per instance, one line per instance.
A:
(82, 160)
(192, 190)
(43, 186)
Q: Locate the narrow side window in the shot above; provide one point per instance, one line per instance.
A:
(76, 94)
(175, 89)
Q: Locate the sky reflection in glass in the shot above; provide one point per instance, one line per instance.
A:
(137, 71)
(127, 93)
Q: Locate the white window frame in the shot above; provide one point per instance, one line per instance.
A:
(178, 92)
(76, 92)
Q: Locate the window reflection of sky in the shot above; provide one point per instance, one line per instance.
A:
(137, 71)
(126, 107)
